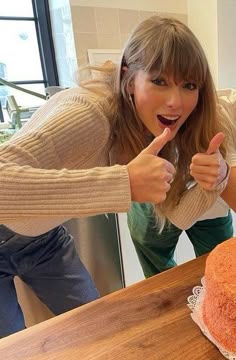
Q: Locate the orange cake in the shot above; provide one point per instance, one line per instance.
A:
(219, 304)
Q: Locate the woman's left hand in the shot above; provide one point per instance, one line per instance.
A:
(209, 169)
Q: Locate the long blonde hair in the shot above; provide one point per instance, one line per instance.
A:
(165, 46)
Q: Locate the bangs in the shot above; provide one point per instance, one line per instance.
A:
(178, 56)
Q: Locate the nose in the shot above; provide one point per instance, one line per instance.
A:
(174, 100)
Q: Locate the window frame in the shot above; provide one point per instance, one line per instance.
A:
(43, 29)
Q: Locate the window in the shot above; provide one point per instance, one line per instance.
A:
(26, 50)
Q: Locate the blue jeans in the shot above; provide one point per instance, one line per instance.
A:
(50, 266)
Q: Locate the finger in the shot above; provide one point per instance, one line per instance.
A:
(158, 143)
(206, 178)
(170, 168)
(205, 160)
(215, 143)
(169, 178)
(209, 170)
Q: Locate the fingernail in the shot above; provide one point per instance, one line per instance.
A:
(166, 131)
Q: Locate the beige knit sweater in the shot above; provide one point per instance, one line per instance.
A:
(57, 167)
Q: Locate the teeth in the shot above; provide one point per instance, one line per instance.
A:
(172, 118)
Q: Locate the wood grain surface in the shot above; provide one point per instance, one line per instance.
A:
(146, 321)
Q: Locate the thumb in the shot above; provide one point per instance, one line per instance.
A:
(158, 143)
(215, 143)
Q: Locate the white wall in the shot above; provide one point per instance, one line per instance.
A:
(172, 6)
(213, 22)
(202, 20)
(227, 46)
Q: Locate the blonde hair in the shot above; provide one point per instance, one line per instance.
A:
(165, 46)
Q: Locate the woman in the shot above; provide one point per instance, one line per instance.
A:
(183, 100)
(57, 166)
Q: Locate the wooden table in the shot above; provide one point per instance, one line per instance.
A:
(149, 320)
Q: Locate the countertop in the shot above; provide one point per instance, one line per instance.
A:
(146, 321)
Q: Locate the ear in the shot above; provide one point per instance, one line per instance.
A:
(130, 87)
(123, 70)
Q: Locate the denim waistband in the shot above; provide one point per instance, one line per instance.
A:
(7, 235)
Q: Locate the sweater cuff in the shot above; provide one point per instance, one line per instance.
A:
(193, 204)
(220, 188)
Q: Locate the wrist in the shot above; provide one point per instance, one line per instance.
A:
(221, 186)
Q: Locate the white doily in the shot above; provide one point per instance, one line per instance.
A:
(195, 304)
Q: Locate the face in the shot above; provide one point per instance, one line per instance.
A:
(161, 103)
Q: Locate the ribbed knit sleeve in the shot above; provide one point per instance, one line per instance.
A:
(26, 191)
(193, 204)
(56, 165)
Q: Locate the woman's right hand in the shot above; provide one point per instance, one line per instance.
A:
(209, 169)
(150, 176)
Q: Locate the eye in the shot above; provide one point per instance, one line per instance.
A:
(190, 86)
(159, 82)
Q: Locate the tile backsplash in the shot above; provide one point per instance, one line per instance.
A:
(106, 28)
(79, 28)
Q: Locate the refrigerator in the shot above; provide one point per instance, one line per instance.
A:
(97, 241)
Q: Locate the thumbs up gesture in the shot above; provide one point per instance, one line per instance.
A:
(209, 169)
(150, 176)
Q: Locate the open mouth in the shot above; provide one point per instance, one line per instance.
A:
(168, 120)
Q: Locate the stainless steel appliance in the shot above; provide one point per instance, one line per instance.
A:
(97, 241)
